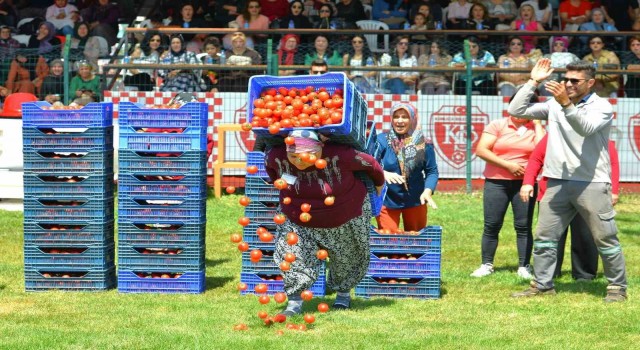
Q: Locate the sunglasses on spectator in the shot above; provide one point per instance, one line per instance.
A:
(318, 72)
(573, 81)
(324, 11)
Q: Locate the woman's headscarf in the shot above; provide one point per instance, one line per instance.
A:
(283, 52)
(45, 45)
(182, 45)
(409, 147)
(563, 40)
(82, 40)
(305, 141)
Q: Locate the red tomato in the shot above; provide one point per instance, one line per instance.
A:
(329, 200)
(292, 238)
(240, 327)
(285, 266)
(252, 169)
(283, 90)
(242, 286)
(244, 221)
(305, 207)
(312, 158)
(264, 299)
(306, 295)
(243, 246)
(230, 189)
(305, 217)
(338, 92)
(246, 126)
(244, 201)
(322, 254)
(321, 163)
(280, 184)
(280, 318)
(289, 257)
(263, 314)
(310, 89)
(323, 96)
(274, 129)
(266, 237)
(302, 327)
(279, 219)
(336, 117)
(261, 288)
(286, 200)
(258, 103)
(323, 307)
(236, 238)
(293, 92)
(328, 103)
(309, 318)
(337, 102)
(280, 297)
(256, 255)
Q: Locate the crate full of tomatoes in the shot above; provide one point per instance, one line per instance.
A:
(329, 104)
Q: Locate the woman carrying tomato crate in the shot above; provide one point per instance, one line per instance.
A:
(326, 207)
(410, 170)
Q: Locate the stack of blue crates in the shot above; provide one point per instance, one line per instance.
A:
(68, 200)
(162, 193)
(263, 207)
(403, 265)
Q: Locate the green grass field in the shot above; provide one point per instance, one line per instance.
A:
(472, 313)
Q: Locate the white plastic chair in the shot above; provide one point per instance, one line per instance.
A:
(372, 39)
(23, 21)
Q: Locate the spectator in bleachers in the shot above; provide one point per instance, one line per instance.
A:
(526, 22)
(573, 13)
(19, 77)
(458, 13)
(619, 12)
(399, 82)
(227, 11)
(391, 12)
(45, 40)
(351, 11)
(288, 54)
(317, 5)
(482, 83)
(226, 40)
(325, 18)
(85, 46)
(8, 14)
(152, 46)
(52, 88)
(239, 55)
(8, 45)
(63, 16)
(598, 24)
(419, 41)
(179, 80)
(274, 9)
(606, 84)
(102, 17)
(210, 77)
(435, 83)
(300, 21)
(502, 12)
(560, 57)
(186, 19)
(632, 63)
(478, 20)
(361, 56)
(508, 83)
(432, 9)
(85, 86)
(543, 10)
(252, 18)
(322, 49)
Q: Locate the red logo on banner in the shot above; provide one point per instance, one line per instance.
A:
(246, 139)
(634, 134)
(449, 132)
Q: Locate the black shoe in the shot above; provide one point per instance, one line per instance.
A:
(534, 291)
(615, 294)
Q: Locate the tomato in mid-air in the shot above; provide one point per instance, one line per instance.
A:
(305, 207)
(261, 288)
(244, 201)
(290, 257)
(280, 297)
(264, 299)
(230, 189)
(329, 200)
(323, 307)
(279, 219)
(306, 295)
(292, 238)
(236, 238)
(252, 169)
(243, 246)
(244, 221)
(309, 318)
(322, 254)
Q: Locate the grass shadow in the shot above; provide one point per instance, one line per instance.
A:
(212, 263)
(217, 282)
(2, 286)
(596, 288)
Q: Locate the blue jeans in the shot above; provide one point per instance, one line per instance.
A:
(497, 196)
(395, 86)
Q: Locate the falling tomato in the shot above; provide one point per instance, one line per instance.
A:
(243, 246)
(265, 236)
(244, 201)
(322, 254)
(264, 299)
(280, 297)
(290, 257)
(230, 189)
(329, 200)
(236, 238)
(280, 184)
(292, 238)
(244, 221)
(305, 207)
(306, 295)
(261, 288)
(246, 126)
(279, 219)
(309, 318)
(252, 169)
(263, 314)
(289, 140)
(256, 255)
(305, 217)
(286, 200)
(242, 286)
(323, 307)
(321, 163)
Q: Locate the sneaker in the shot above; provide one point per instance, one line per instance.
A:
(525, 272)
(615, 294)
(483, 270)
(293, 308)
(534, 291)
(342, 302)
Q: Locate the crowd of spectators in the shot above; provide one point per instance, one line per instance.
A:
(93, 26)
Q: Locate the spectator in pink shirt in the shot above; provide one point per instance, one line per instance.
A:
(252, 18)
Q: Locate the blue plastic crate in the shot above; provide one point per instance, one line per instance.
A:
(69, 279)
(404, 265)
(250, 235)
(424, 288)
(161, 142)
(161, 255)
(375, 199)
(187, 282)
(192, 114)
(190, 162)
(72, 184)
(169, 184)
(428, 240)
(59, 255)
(261, 212)
(274, 286)
(142, 208)
(259, 189)
(39, 114)
(34, 138)
(352, 129)
(257, 159)
(169, 232)
(68, 232)
(68, 161)
(371, 146)
(63, 208)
